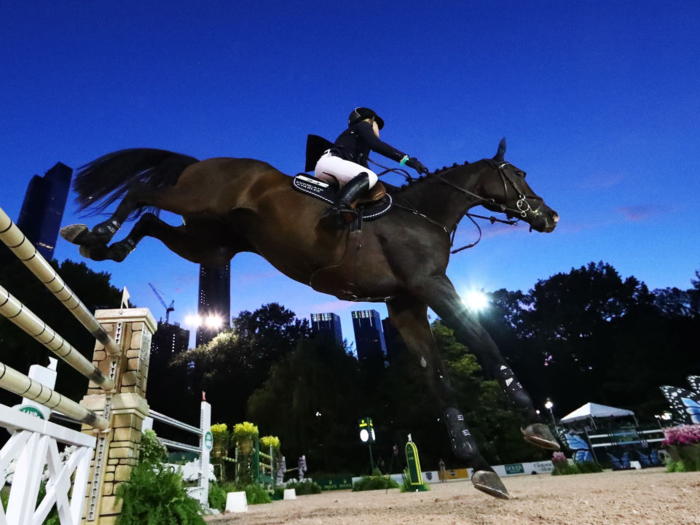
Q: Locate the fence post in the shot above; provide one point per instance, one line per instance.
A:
(117, 450)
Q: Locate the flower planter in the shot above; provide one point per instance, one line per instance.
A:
(246, 446)
(689, 455)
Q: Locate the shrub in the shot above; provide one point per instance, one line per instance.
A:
(217, 497)
(151, 449)
(257, 495)
(406, 485)
(156, 495)
(675, 466)
(303, 488)
(588, 467)
(374, 483)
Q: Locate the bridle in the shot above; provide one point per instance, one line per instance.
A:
(522, 205)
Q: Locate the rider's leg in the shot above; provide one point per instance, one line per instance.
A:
(355, 181)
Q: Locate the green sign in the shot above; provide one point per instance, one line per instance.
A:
(516, 468)
(32, 411)
(208, 440)
(415, 476)
(334, 483)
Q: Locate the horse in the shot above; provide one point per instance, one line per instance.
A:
(234, 205)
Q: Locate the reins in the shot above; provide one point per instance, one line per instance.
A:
(522, 205)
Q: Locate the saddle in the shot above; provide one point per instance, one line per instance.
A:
(372, 205)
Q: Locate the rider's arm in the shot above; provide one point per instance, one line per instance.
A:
(365, 132)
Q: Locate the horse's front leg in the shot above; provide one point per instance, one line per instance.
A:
(439, 293)
(137, 197)
(410, 317)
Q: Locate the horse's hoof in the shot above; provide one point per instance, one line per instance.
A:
(73, 233)
(95, 253)
(539, 434)
(490, 483)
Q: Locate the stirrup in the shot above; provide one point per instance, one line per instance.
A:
(339, 217)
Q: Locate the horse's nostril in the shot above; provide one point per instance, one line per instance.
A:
(554, 215)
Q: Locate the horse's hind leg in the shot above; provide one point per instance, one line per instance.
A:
(138, 196)
(441, 296)
(193, 244)
(410, 317)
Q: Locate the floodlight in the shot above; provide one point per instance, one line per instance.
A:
(476, 300)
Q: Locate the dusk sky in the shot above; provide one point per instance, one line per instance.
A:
(599, 101)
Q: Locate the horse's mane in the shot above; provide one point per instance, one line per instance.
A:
(412, 183)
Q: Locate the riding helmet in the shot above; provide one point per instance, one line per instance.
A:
(359, 114)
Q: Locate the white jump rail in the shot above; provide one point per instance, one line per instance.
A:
(25, 251)
(201, 492)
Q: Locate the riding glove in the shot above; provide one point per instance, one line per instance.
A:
(417, 165)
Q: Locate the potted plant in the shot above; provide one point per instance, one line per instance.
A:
(245, 433)
(271, 441)
(683, 444)
(222, 438)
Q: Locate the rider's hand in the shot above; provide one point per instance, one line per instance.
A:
(417, 165)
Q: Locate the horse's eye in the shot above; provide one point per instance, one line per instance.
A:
(522, 174)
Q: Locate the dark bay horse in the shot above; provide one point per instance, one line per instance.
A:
(242, 205)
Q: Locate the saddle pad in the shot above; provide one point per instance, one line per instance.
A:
(326, 192)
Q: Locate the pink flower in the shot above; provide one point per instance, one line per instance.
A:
(682, 435)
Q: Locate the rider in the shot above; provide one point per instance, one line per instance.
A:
(346, 162)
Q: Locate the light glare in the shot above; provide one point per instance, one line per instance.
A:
(476, 301)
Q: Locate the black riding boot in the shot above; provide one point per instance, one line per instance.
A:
(341, 213)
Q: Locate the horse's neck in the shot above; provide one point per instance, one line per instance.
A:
(443, 202)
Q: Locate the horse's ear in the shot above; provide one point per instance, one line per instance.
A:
(500, 154)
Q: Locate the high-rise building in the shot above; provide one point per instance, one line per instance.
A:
(168, 341)
(369, 338)
(43, 207)
(327, 324)
(214, 302)
(166, 382)
(395, 344)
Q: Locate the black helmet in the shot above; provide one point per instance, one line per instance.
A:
(359, 114)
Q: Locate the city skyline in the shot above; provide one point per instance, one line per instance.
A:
(594, 110)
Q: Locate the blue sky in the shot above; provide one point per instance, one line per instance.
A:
(598, 100)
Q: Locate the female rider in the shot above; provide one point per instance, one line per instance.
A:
(346, 162)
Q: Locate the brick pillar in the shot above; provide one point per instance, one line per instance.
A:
(117, 450)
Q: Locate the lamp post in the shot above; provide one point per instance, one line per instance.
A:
(366, 427)
(549, 405)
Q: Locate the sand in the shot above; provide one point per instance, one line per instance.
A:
(647, 497)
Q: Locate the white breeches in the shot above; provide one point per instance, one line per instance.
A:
(332, 168)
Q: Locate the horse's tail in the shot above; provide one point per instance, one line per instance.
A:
(107, 179)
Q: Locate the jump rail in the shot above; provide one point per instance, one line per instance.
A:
(25, 251)
(25, 319)
(22, 385)
(206, 441)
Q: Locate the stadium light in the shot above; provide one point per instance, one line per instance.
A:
(214, 321)
(476, 300)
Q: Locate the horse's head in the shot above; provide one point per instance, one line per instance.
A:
(508, 192)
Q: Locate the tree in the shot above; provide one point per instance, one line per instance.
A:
(310, 400)
(237, 362)
(19, 350)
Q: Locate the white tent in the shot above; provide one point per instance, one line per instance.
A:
(591, 410)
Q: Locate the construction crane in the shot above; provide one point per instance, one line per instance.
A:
(168, 309)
